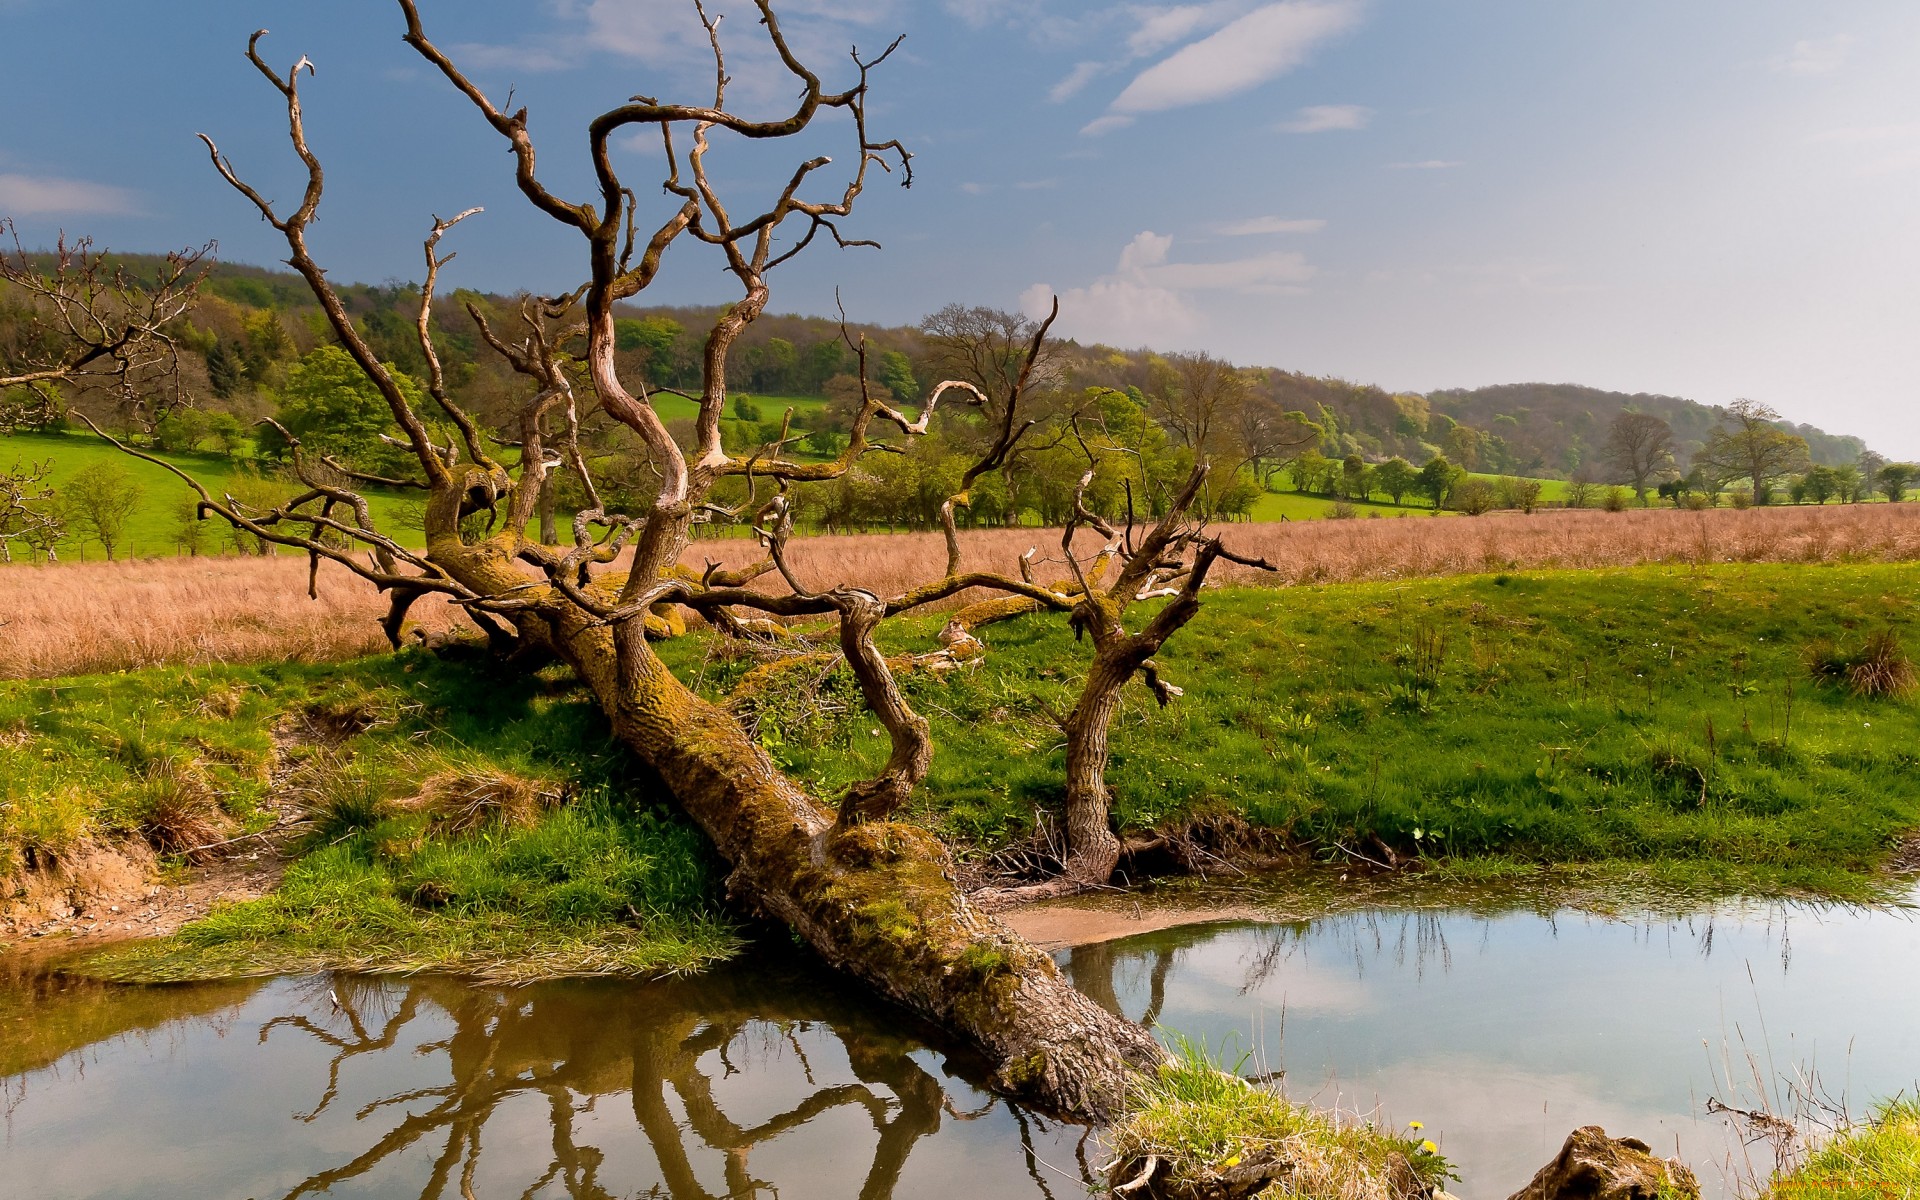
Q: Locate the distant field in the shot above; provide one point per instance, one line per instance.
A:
(98, 616)
(152, 531)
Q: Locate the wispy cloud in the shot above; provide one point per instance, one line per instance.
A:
(50, 196)
(1078, 78)
(1163, 27)
(1106, 124)
(1257, 225)
(1148, 297)
(1430, 164)
(1816, 56)
(1326, 118)
(1267, 42)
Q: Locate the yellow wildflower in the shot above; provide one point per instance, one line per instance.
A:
(1429, 1148)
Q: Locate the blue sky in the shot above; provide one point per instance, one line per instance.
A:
(1713, 199)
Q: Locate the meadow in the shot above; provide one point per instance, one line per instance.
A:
(1667, 716)
(88, 617)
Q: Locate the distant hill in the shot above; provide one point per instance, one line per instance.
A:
(1551, 428)
(252, 321)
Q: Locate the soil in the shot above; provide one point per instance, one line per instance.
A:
(1906, 859)
(110, 893)
(1085, 921)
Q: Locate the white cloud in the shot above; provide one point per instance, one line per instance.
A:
(548, 55)
(1081, 75)
(1816, 56)
(1254, 225)
(1430, 164)
(1282, 270)
(1162, 27)
(1324, 118)
(974, 189)
(48, 196)
(1147, 249)
(1148, 296)
(1119, 311)
(1265, 43)
(1106, 124)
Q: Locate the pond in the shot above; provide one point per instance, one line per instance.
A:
(1500, 1031)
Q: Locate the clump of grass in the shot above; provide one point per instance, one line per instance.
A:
(1874, 1161)
(340, 800)
(177, 811)
(469, 799)
(1196, 1129)
(1880, 667)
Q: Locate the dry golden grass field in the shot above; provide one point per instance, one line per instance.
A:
(76, 618)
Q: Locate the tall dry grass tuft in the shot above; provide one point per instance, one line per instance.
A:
(75, 618)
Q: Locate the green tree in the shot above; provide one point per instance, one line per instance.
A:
(190, 532)
(331, 407)
(1437, 479)
(655, 338)
(1355, 478)
(896, 371)
(226, 429)
(96, 502)
(1395, 477)
(182, 430)
(1473, 496)
(226, 372)
(1895, 479)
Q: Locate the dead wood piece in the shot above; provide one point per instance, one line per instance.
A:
(1593, 1166)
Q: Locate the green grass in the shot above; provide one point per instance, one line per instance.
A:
(1295, 506)
(1198, 1115)
(1879, 1160)
(1633, 716)
(611, 880)
(1514, 730)
(592, 889)
(152, 529)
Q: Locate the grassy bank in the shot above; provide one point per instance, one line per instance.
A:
(1877, 1160)
(447, 817)
(1198, 1128)
(1665, 725)
(1646, 716)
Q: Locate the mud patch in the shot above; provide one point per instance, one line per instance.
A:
(1086, 921)
(1906, 860)
(109, 894)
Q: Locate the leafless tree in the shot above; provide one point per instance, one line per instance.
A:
(88, 322)
(1198, 398)
(1639, 446)
(1754, 448)
(871, 895)
(27, 512)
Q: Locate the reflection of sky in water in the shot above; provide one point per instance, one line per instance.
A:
(1500, 1033)
(1503, 1033)
(747, 1084)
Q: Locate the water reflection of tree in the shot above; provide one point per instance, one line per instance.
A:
(573, 1044)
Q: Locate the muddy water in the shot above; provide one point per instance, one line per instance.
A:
(1500, 1031)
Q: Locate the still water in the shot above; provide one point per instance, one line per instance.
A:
(1499, 1031)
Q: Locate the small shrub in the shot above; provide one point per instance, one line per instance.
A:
(176, 810)
(1879, 668)
(1615, 500)
(342, 801)
(1342, 511)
